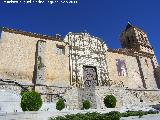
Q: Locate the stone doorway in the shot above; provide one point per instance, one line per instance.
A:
(90, 82)
(90, 76)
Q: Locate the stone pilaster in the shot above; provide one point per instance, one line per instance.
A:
(40, 79)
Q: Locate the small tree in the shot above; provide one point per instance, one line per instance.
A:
(31, 101)
(110, 101)
(86, 104)
(60, 104)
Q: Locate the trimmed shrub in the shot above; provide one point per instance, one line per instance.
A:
(31, 101)
(23, 91)
(60, 104)
(86, 104)
(110, 101)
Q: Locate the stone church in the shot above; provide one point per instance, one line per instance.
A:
(80, 67)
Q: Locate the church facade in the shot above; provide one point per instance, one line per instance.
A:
(80, 67)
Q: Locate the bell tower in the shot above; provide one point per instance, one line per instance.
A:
(137, 41)
(135, 38)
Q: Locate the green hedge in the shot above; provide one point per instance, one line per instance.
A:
(114, 115)
(138, 113)
(90, 116)
(31, 101)
(110, 101)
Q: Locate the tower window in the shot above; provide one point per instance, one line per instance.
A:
(60, 50)
(128, 40)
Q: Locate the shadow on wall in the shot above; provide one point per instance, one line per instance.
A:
(35, 66)
(157, 72)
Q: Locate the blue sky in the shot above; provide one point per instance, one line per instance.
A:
(102, 18)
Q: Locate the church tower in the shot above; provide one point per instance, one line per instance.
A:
(135, 38)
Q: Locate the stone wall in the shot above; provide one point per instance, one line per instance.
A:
(10, 87)
(125, 97)
(73, 98)
(148, 73)
(57, 70)
(18, 54)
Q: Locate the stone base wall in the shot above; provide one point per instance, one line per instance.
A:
(74, 96)
(13, 86)
(125, 97)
